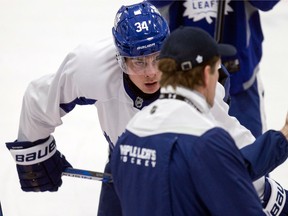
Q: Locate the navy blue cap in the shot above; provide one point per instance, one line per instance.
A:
(191, 46)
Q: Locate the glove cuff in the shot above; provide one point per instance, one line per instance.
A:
(277, 198)
(38, 153)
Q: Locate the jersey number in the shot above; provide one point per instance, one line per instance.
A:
(141, 26)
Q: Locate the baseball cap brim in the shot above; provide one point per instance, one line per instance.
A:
(193, 46)
(226, 50)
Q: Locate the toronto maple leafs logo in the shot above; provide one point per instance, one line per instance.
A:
(203, 9)
(199, 59)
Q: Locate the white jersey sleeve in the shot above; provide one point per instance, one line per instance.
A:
(240, 134)
(88, 74)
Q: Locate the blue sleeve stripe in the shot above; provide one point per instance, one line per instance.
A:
(67, 107)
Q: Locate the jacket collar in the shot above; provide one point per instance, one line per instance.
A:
(195, 97)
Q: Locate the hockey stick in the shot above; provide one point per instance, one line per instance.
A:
(220, 21)
(231, 65)
(87, 174)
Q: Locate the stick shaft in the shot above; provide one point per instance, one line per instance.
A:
(87, 174)
(220, 21)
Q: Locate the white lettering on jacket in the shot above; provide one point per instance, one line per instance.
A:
(137, 155)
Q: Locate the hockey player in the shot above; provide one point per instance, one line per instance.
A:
(91, 75)
(173, 158)
(118, 86)
(241, 28)
(1, 214)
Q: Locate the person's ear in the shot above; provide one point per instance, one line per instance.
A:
(206, 75)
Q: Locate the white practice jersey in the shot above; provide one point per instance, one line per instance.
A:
(89, 74)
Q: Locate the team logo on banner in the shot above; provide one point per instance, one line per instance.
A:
(203, 9)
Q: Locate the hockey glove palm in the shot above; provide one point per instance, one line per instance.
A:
(39, 164)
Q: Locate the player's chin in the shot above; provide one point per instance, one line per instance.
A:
(150, 88)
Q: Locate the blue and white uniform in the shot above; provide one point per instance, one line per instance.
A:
(90, 74)
(242, 29)
(174, 159)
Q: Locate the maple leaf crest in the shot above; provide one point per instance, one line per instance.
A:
(203, 9)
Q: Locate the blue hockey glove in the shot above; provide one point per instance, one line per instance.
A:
(39, 164)
(275, 199)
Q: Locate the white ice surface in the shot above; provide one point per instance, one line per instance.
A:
(35, 36)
